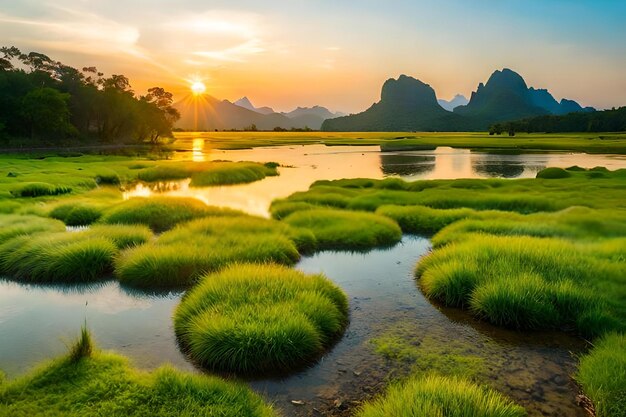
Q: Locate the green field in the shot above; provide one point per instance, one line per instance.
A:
(580, 142)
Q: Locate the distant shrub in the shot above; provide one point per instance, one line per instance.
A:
(553, 173)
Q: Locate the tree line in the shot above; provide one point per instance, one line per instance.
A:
(42, 100)
(613, 120)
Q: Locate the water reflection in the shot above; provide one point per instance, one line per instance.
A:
(197, 150)
(302, 165)
(393, 164)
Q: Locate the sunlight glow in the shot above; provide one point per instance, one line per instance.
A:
(198, 87)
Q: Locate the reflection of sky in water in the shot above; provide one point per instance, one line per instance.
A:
(310, 163)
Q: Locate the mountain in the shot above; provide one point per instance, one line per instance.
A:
(246, 104)
(320, 111)
(406, 104)
(506, 96)
(458, 100)
(213, 113)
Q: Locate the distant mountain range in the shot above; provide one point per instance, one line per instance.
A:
(407, 104)
(210, 113)
(458, 100)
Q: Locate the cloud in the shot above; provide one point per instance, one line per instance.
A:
(71, 30)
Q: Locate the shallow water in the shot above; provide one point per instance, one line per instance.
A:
(37, 323)
(302, 165)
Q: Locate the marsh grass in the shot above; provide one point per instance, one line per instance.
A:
(76, 214)
(602, 374)
(39, 189)
(17, 225)
(528, 283)
(180, 256)
(254, 319)
(208, 174)
(350, 230)
(161, 213)
(88, 382)
(68, 257)
(422, 219)
(439, 396)
(83, 347)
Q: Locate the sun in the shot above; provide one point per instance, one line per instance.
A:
(198, 87)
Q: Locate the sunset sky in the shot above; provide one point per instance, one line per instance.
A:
(332, 53)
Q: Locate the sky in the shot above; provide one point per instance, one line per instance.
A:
(335, 53)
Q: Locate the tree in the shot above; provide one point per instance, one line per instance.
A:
(46, 111)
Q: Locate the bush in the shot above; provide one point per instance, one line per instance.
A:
(338, 229)
(439, 396)
(252, 319)
(602, 375)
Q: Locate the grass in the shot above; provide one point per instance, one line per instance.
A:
(336, 229)
(70, 257)
(73, 214)
(422, 219)
(88, 382)
(179, 257)
(38, 189)
(208, 174)
(602, 375)
(530, 283)
(58, 257)
(252, 319)
(581, 142)
(15, 225)
(160, 213)
(439, 396)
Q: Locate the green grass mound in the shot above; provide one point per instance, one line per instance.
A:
(575, 223)
(161, 213)
(179, 257)
(436, 396)
(241, 173)
(553, 173)
(76, 214)
(13, 225)
(58, 257)
(421, 219)
(254, 319)
(530, 283)
(39, 189)
(88, 382)
(209, 173)
(602, 374)
(352, 230)
(68, 257)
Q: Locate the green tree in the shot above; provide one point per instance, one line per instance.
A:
(45, 110)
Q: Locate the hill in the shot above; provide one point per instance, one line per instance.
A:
(458, 100)
(406, 104)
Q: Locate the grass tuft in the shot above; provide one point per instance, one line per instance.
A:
(161, 213)
(602, 374)
(252, 319)
(76, 214)
(352, 230)
(554, 173)
(39, 189)
(83, 347)
(180, 256)
(439, 396)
